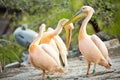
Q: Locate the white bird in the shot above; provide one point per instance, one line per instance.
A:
(91, 46)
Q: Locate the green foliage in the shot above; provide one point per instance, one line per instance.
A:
(90, 29)
(114, 29)
(9, 51)
(107, 15)
(104, 11)
(36, 12)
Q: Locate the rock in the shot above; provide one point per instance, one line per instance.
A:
(111, 43)
(24, 56)
(24, 64)
(74, 52)
(24, 36)
(81, 57)
(103, 36)
(114, 51)
(76, 70)
(13, 65)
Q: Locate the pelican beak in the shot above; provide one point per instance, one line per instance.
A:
(68, 37)
(78, 15)
(69, 31)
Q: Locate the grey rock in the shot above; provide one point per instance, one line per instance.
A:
(73, 54)
(111, 43)
(24, 64)
(103, 36)
(24, 36)
(13, 65)
(25, 58)
(114, 51)
(81, 57)
(76, 71)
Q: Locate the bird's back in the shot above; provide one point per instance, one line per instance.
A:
(92, 53)
(89, 50)
(101, 46)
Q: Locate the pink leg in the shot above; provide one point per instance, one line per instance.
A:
(94, 68)
(43, 75)
(88, 69)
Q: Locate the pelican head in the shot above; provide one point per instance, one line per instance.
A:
(87, 9)
(82, 12)
(42, 27)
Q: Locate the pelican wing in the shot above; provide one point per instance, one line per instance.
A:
(62, 49)
(51, 52)
(41, 59)
(44, 58)
(101, 46)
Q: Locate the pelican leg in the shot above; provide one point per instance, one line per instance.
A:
(43, 75)
(88, 69)
(94, 70)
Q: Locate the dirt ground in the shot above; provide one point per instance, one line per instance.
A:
(76, 71)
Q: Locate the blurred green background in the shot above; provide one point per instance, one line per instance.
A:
(35, 12)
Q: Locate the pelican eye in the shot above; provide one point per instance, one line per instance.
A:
(83, 8)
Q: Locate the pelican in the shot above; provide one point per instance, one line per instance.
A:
(52, 37)
(91, 46)
(43, 55)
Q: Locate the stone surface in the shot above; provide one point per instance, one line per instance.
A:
(25, 58)
(112, 43)
(114, 51)
(76, 71)
(73, 52)
(13, 65)
(103, 36)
